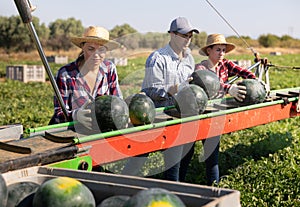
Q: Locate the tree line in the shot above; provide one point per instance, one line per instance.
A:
(14, 36)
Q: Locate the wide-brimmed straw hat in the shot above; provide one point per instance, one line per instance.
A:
(216, 39)
(97, 35)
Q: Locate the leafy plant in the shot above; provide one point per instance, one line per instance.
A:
(262, 162)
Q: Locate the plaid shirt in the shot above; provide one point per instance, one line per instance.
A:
(165, 69)
(224, 70)
(75, 91)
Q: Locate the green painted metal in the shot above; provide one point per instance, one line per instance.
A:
(179, 121)
(54, 126)
(74, 163)
(166, 123)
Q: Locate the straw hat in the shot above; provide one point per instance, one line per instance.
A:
(216, 39)
(97, 35)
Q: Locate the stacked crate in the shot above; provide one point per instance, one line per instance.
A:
(26, 73)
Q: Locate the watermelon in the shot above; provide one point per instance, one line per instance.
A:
(141, 110)
(63, 191)
(3, 191)
(114, 201)
(154, 197)
(207, 80)
(256, 91)
(191, 100)
(19, 191)
(111, 113)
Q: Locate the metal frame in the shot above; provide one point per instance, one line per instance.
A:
(109, 149)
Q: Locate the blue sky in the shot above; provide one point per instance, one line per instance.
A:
(249, 18)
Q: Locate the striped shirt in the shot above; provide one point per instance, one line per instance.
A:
(75, 91)
(163, 69)
(224, 70)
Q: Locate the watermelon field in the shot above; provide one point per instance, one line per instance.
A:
(262, 162)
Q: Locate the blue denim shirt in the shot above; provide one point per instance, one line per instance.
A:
(164, 69)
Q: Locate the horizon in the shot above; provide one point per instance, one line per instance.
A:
(251, 19)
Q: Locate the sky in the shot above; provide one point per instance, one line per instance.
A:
(247, 18)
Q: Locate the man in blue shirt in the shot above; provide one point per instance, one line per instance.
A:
(166, 71)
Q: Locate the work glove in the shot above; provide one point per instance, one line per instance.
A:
(83, 115)
(238, 92)
(177, 87)
(185, 83)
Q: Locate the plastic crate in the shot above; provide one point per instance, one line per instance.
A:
(104, 185)
(26, 73)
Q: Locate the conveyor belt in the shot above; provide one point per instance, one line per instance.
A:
(169, 129)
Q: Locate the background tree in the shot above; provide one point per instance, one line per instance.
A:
(60, 32)
(268, 40)
(199, 40)
(126, 36)
(14, 36)
(120, 31)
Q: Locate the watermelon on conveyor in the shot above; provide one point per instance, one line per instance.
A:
(111, 113)
(256, 91)
(191, 100)
(207, 80)
(141, 109)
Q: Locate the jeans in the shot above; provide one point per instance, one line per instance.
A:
(211, 154)
(172, 157)
(177, 160)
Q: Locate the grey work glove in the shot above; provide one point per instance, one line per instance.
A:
(177, 87)
(83, 115)
(238, 92)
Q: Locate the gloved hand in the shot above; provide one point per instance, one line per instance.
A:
(185, 83)
(177, 87)
(237, 91)
(83, 115)
(173, 90)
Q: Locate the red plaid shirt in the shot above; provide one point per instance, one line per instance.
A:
(75, 91)
(224, 70)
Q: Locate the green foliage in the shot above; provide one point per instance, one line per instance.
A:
(30, 104)
(268, 40)
(61, 31)
(120, 31)
(266, 170)
(13, 32)
(56, 36)
(262, 162)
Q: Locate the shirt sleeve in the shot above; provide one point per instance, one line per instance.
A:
(59, 116)
(154, 83)
(114, 86)
(233, 70)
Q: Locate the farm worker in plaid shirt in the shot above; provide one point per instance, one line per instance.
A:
(216, 47)
(89, 76)
(166, 71)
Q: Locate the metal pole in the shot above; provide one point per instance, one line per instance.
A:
(24, 9)
(250, 68)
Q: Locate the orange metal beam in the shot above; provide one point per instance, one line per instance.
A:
(119, 147)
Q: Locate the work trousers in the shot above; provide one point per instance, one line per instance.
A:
(177, 160)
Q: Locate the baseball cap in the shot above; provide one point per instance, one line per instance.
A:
(182, 25)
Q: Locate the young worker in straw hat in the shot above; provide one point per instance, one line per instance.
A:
(89, 76)
(216, 47)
